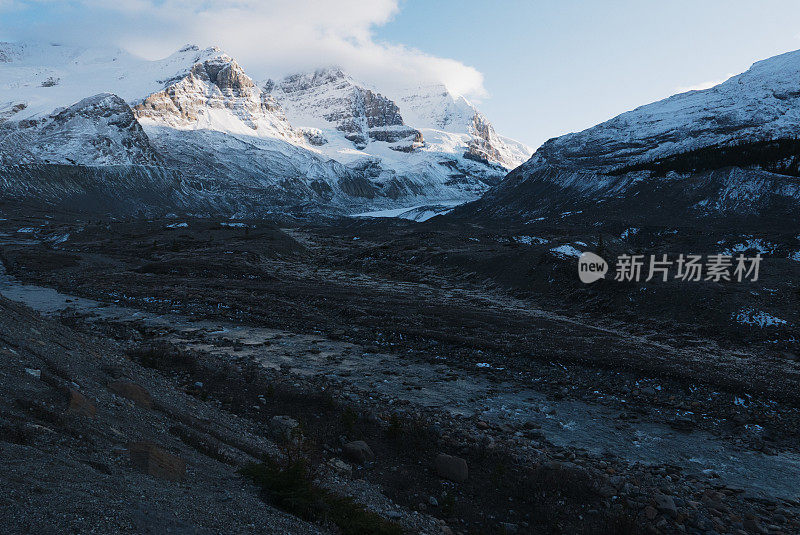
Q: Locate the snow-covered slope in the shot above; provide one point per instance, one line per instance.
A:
(215, 125)
(728, 151)
(328, 99)
(42, 77)
(216, 94)
(98, 130)
(316, 139)
(450, 123)
(346, 121)
(195, 115)
(760, 104)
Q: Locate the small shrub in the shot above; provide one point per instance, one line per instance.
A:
(291, 488)
(164, 358)
(395, 429)
(349, 418)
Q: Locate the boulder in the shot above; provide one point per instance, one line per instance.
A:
(452, 468)
(665, 504)
(338, 465)
(284, 428)
(358, 451)
(79, 404)
(155, 461)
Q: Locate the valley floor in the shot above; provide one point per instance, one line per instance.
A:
(569, 422)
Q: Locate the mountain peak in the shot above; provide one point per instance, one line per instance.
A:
(303, 81)
(191, 47)
(329, 98)
(760, 104)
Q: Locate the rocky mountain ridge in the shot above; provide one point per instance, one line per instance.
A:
(100, 129)
(361, 114)
(201, 116)
(725, 152)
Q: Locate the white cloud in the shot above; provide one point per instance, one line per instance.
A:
(702, 85)
(270, 38)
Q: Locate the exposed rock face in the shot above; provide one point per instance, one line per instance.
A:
(314, 136)
(485, 144)
(360, 113)
(8, 110)
(98, 130)
(217, 83)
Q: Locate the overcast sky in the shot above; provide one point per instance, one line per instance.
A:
(536, 68)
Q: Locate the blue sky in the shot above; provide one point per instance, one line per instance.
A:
(554, 67)
(536, 68)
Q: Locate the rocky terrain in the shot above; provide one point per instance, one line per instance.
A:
(100, 130)
(376, 332)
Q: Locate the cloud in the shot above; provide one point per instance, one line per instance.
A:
(271, 38)
(702, 85)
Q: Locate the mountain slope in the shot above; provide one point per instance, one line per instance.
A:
(728, 151)
(37, 78)
(444, 117)
(98, 130)
(91, 156)
(410, 160)
(339, 147)
(329, 98)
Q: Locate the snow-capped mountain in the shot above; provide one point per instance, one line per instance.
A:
(98, 130)
(729, 150)
(456, 158)
(37, 78)
(328, 98)
(317, 140)
(216, 94)
(448, 121)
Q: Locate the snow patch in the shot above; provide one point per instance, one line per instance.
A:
(758, 317)
(566, 251)
(757, 244)
(628, 232)
(530, 240)
(417, 213)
